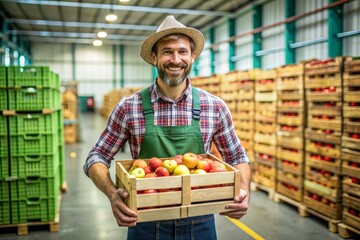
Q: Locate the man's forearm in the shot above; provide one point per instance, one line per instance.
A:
(99, 174)
(245, 176)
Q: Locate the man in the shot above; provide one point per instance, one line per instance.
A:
(169, 118)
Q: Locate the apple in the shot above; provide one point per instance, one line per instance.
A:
(154, 163)
(150, 175)
(178, 159)
(147, 170)
(170, 164)
(204, 165)
(162, 172)
(355, 180)
(217, 165)
(200, 171)
(190, 160)
(148, 191)
(139, 163)
(138, 172)
(199, 157)
(355, 135)
(181, 170)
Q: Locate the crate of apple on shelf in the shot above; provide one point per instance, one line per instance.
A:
(177, 187)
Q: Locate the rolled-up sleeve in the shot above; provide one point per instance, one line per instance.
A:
(111, 140)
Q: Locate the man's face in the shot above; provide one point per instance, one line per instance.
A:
(173, 60)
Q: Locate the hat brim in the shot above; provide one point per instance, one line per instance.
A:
(150, 41)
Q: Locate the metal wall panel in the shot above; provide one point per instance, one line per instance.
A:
(273, 38)
(222, 50)
(204, 59)
(351, 23)
(310, 28)
(243, 45)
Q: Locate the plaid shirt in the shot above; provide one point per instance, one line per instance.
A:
(127, 123)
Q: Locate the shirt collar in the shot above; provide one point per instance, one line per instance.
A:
(156, 95)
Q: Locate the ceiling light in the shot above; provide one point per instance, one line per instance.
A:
(97, 43)
(102, 34)
(111, 17)
(124, 1)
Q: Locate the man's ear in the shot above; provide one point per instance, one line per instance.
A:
(153, 58)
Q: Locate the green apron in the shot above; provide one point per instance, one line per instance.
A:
(168, 141)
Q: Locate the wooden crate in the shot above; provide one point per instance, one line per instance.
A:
(264, 159)
(351, 94)
(351, 168)
(351, 210)
(265, 127)
(321, 187)
(292, 192)
(265, 149)
(290, 166)
(285, 129)
(348, 186)
(290, 118)
(244, 124)
(261, 179)
(351, 68)
(293, 141)
(333, 211)
(265, 116)
(323, 67)
(321, 176)
(244, 134)
(350, 219)
(266, 74)
(196, 195)
(265, 106)
(293, 105)
(323, 135)
(265, 138)
(325, 124)
(312, 161)
(290, 178)
(266, 96)
(245, 105)
(290, 154)
(316, 95)
(350, 142)
(351, 80)
(351, 111)
(246, 94)
(265, 169)
(70, 133)
(351, 125)
(324, 149)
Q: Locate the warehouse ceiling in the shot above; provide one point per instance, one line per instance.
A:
(79, 21)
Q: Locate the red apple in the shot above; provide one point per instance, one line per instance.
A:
(178, 159)
(355, 180)
(150, 175)
(190, 160)
(181, 170)
(162, 172)
(355, 135)
(148, 191)
(154, 163)
(204, 165)
(139, 163)
(170, 164)
(147, 170)
(216, 165)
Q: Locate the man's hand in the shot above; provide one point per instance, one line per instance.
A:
(124, 216)
(240, 205)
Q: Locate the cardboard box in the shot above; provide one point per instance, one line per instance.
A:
(180, 196)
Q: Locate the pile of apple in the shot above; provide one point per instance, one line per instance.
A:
(189, 163)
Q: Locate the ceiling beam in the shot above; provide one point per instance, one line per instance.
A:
(83, 24)
(124, 8)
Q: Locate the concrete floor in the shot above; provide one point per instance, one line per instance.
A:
(86, 212)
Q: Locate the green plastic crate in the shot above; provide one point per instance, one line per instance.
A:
(4, 166)
(40, 165)
(31, 76)
(5, 212)
(33, 144)
(32, 123)
(4, 190)
(33, 210)
(32, 99)
(3, 126)
(62, 165)
(3, 99)
(34, 187)
(3, 80)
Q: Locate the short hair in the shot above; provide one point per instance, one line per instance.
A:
(174, 36)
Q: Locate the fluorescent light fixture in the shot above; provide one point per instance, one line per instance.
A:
(97, 43)
(111, 17)
(124, 1)
(102, 34)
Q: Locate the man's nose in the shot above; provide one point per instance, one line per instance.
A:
(175, 58)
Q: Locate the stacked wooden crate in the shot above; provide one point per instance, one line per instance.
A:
(265, 129)
(229, 90)
(290, 131)
(323, 84)
(245, 110)
(211, 84)
(351, 144)
(69, 102)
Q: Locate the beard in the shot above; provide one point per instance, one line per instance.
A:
(173, 81)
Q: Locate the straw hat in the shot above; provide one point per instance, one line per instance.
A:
(169, 26)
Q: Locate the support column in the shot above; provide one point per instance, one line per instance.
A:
(232, 27)
(122, 66)
(212, 51)
(335, 26)
(73, 57)
(290, 32)
(257, 37)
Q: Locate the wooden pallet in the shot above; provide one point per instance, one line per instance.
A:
(332, 223)
(279, 198)
(346, 231)
(256, 186)
(23, 228)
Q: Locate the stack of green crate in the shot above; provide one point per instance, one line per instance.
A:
(35, 151)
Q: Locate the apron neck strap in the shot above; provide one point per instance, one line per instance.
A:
(149, 113)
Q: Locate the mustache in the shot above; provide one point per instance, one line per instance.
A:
(178, 65)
